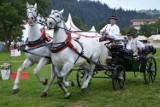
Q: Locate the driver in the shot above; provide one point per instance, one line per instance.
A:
(134, 44)
(111, 31)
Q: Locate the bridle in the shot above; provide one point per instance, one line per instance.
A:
(57, 22)
(35, 17)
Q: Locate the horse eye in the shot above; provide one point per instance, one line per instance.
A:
(57, 16)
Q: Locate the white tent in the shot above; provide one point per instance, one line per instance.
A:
(157, 37)
(93, 29)
(70, 25)
(154, 37)
(141, 38)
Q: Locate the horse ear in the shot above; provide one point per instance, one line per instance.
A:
(61, 12)
(27, 5)
(52, 11)
(35, 5)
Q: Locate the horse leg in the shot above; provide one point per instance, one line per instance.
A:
(61, 82)
(45, 92)
(41, 63)
(25, 65)
(66, 77)
(86, 71)
(65, 71)
(62, 86)
(90, 74)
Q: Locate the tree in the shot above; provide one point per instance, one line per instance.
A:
(150, 29)
(125, 30)
(101, 25)
(77, 21)
(12, 15)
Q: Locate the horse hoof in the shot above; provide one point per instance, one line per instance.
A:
(71, 83)
(15, 91)
(44, 94)
(84, 90)
(67, 96)
(46, 81)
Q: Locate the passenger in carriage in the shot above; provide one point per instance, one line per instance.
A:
(111, 31)
(134, 44)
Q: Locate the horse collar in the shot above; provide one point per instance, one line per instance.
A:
(62, 46)
(40, 41)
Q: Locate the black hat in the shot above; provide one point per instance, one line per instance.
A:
(130, 34)
(113, 17)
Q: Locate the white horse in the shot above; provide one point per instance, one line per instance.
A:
(65, 50)
(34, 39)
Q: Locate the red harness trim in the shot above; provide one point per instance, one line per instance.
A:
(43, 37)
(69, 44)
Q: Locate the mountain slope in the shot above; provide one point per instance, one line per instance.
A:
(94, 12)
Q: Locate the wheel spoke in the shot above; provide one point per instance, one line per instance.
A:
(147, 76)
(151, 78)
(118, 77)
(120, 84)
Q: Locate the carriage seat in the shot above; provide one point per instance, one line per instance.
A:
(149, 49)
(115, 47)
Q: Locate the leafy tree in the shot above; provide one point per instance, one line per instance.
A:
(125, 30)
(12, 15)
(101, 25)
(150, 29)
(77, 21)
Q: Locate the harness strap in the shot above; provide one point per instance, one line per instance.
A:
(79, 54)
(40, 41)
(37, 54)
(63, 45)
(34, 43)
(66, 44)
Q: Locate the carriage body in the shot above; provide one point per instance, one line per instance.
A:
(143, 62)
(121, 56)
(123, 61)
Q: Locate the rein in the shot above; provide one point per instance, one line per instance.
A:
(40, 41)
(75, 31)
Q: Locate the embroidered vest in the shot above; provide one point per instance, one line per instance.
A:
(134, 47)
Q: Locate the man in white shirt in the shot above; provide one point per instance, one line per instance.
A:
(134, 44)
(111, 31)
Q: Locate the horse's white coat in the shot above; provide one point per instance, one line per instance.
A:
(34, 33)
(64, 60)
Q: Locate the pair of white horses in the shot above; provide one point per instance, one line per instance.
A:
(63, 58)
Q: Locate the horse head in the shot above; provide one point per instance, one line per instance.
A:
(55, 19)
(32, 13)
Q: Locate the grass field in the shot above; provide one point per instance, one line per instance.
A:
(100, 93)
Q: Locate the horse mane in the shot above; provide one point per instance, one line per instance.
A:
(65, 28)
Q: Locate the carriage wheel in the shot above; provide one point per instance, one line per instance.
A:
(150, 71)
(81, 76)
(118, 77)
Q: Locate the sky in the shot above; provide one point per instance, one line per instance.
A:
(133, 4)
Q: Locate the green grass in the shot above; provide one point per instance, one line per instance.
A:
(100, 93)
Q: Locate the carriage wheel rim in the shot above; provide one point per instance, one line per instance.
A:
(116, 81)
(150, 72)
